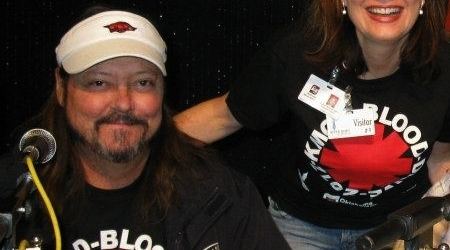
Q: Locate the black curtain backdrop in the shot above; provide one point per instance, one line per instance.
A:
(209, 43)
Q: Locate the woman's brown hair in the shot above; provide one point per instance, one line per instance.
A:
(335, 36)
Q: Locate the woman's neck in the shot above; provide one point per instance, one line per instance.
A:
(381, 59)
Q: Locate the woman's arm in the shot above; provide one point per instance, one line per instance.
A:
(439, 162)
(208, 121)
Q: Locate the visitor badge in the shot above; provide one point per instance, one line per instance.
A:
(357, 122)
(323, 96)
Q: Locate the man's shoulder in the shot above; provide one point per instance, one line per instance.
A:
(234, 186)
(216, 176)
(227, 177)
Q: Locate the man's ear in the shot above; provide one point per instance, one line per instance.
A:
(60, 95)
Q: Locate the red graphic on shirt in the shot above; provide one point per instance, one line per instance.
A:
(120, 27)
(369, 161)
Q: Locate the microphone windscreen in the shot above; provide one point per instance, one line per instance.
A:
(39, 143)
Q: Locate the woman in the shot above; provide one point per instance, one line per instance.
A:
(343, 172)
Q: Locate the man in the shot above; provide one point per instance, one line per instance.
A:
(124, 177)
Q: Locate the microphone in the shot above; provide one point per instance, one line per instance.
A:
(383, 235)
(39, 144)
(407, 222)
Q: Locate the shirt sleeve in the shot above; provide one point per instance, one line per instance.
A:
(444, 136)
(254, 99)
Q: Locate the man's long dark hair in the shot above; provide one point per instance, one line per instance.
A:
(334, 36)
(174, 158)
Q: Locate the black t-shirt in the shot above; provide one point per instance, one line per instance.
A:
(109, 220)
(104, 219)
(344, 183)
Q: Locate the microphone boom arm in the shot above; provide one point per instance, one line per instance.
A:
(407, 223)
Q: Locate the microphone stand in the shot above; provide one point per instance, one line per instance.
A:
(408, 224)
(5, 231)
(21, 209)
(37, 145)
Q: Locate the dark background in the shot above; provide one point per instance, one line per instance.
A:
(209, 43)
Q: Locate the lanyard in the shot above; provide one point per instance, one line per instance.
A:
(348, 90)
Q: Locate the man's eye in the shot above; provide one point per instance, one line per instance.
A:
(145, 83)
(97, 83)
(94, 85)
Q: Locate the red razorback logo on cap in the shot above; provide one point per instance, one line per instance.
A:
(120, 27)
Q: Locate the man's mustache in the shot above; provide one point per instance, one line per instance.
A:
(122, 118)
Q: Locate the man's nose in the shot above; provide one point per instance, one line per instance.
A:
(123, 100)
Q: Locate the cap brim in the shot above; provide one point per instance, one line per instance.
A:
(103, 50)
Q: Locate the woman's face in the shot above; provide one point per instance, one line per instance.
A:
(383, 22)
